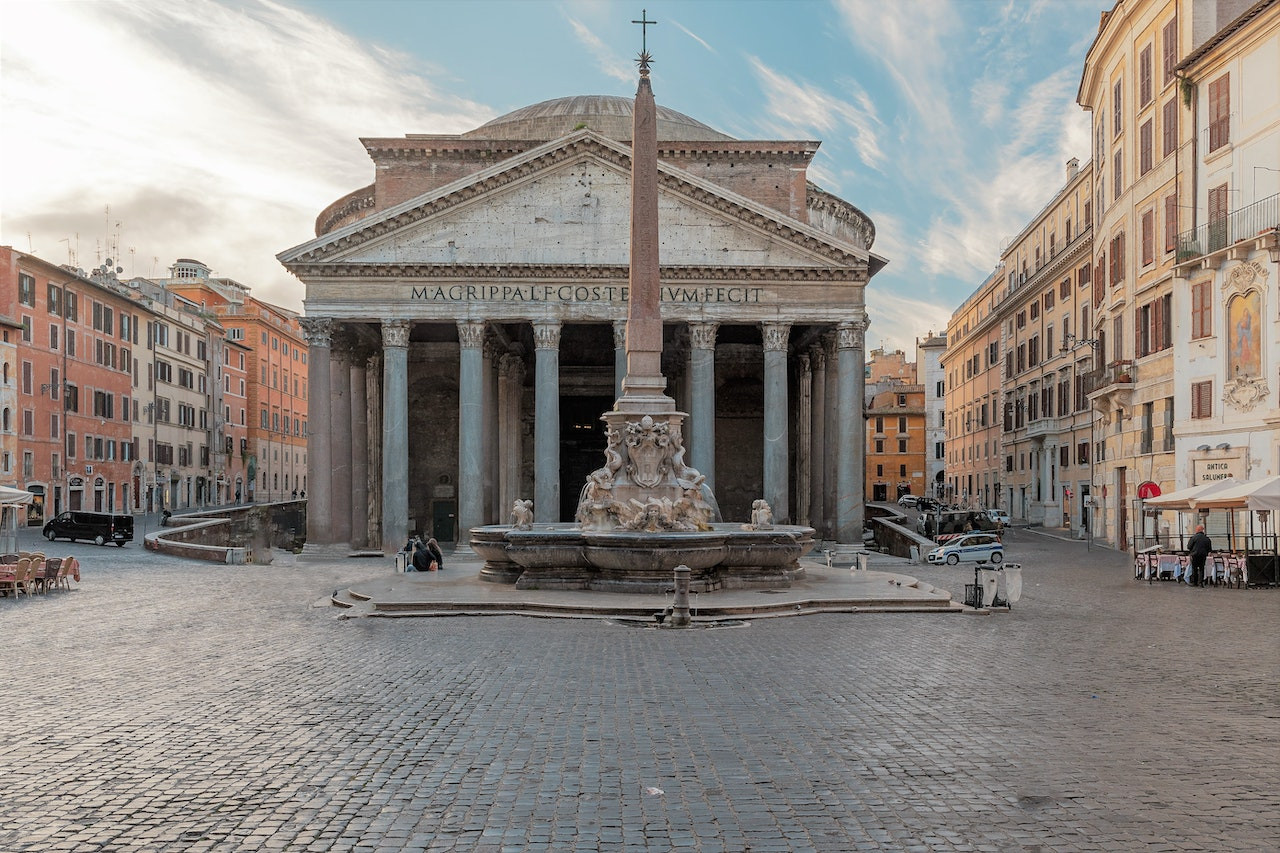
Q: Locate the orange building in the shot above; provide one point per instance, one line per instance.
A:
(896, 443)
(74, 371)
(274, 431)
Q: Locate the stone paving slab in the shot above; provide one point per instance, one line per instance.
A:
(169, 706)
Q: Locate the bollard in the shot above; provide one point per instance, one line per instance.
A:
(680, 607)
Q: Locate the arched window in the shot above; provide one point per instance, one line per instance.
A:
(6, 411)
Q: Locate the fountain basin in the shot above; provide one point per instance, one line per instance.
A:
(563, 556)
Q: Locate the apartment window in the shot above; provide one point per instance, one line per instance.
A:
(902, 470)
(1064, 457)
(902, 399)
(879, 470)
(29, 422)
(1117, 338)
(939, 449)
(1048, 300)
(26, 289)
(53, 301)
(1220, 112)
(1169, 48)
(164, 371)
(1201, 311)
(1217, 217)
(1035, 310)
(1064, 290)
(1145, 143)
(902, 445)
(186, 378)
(1169, 127)
(879, 425)
(26, 378)
(1170, 223)
(902, 424)
(1144, 77)
(1022, 319)
(70, 338)
(1117, 259)
(1117, 118)
(993, 355)
(1202, 400)
(1168, 424)
(879, 445)
(1148, 237)
(1117, 175)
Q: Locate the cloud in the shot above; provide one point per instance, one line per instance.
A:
(796, 108)
(682, 28)
(609, 62)
(217, 132)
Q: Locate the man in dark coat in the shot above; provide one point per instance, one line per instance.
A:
(1199, 546)
(421, 557)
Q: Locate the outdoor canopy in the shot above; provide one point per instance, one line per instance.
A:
(1189, 498)
(10, 496)
(1255, 495)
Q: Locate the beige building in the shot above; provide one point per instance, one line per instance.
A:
(1227, 348)
(1145, 145)
(971, 365)
(1047, 360)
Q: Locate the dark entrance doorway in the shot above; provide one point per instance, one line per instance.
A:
(582, 443)
(444, 514)
(879, 492)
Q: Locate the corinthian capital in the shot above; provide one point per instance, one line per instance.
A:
(546, 335)
(471, 333)
(317, 330)
(395, 333)
(776, 336)
(851, 334)
(703, 335)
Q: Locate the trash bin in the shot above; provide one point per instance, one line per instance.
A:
(1011, 583)
(861, 563)
(402, 560)
(989, 580)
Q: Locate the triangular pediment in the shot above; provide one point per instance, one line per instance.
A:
(569, 203)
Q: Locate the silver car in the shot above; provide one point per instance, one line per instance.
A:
(969, 548)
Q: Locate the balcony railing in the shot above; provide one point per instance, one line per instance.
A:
(1257, 218)
(1117, 376)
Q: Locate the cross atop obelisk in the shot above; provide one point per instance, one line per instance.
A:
(643, 387)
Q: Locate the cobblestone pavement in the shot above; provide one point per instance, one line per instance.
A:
(169, 705)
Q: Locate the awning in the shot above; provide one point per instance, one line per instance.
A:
(11, 497)
(1254, 494)
(1185, 499)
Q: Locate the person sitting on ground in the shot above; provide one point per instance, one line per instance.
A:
(433, 548)
(421, 557)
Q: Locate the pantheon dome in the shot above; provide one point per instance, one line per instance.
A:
(608, 115)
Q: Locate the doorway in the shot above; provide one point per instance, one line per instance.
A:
(879, 492)
(444, 515)
(582, 442)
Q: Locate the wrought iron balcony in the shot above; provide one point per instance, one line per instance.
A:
(1256, 219)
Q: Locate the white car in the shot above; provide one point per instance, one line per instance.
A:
(1000, 516)
(908, 500)
(969, 548)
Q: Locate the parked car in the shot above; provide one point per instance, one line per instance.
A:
(1000, 517)
(969, 548)
(908, 500)
(97, 527)
(926, 504)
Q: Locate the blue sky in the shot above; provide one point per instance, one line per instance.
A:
(219, 130)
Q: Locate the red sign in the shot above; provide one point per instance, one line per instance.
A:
(1148, 490)
(1068, 493)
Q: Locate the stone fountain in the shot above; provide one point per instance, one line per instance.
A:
(645, 511)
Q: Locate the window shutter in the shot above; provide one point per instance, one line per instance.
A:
(1220, 112)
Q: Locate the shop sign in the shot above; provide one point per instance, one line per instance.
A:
(1211, 470)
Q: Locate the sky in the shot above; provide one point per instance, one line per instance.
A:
(219, 129)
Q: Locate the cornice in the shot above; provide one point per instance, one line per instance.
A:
(596, 272)
(586, 143)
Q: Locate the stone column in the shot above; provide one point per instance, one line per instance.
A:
(546, 424)
(319, 334)
(851, 471)
(818, 467)
(489, 418)
(804, 439)
(619, 356)
(470, 428)
(776, 443)
(702, 399)
(395, 434)
(373, 417)
(359, 416)
(340, 448)
(510, 394)
(832, 443)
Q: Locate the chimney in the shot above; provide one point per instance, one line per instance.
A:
(1073, 168)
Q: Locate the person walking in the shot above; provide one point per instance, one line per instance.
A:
(1199, 546)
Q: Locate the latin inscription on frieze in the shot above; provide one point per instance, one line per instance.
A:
(566, 293)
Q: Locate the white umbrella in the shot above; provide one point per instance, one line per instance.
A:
(1253, 494)
(1185, 499)
(11, 496)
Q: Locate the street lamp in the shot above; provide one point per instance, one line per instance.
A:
(1071, 343)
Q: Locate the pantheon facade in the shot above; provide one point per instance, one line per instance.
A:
(466, 320)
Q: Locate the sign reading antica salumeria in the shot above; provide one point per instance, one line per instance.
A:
(565, 293)
(1212, 470)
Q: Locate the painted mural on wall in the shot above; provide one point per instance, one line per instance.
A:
(1244, 351)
